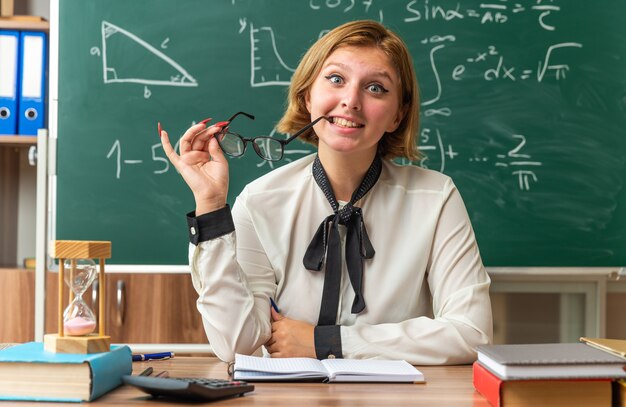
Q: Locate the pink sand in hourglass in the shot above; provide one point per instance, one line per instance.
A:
(79, 326)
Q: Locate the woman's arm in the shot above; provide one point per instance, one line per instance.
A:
(235, 319)
(459, 286)
(234, 305)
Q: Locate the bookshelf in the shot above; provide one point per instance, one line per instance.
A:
(17, 141)
(17, 179)
(18, 192)
(23, 23)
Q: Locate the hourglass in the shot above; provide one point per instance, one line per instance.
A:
(77, 322)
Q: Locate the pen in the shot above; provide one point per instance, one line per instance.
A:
(274, 305)
(164, 374)
(152, 356)
(146, 372)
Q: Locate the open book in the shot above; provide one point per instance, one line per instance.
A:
(253, 368)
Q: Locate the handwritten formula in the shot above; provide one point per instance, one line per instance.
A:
(444, 62)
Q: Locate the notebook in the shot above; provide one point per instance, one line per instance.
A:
(550, 360)
(254, 368)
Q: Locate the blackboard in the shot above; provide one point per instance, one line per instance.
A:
(523, 105)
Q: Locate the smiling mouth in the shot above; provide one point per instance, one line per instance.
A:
(344, 123)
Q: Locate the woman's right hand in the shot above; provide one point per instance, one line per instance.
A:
(202, 165)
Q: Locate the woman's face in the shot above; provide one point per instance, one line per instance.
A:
(358, 89)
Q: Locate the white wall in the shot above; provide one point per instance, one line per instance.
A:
(32, 7)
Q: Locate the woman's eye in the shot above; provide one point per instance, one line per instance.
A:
(335, 79)
(376, 88)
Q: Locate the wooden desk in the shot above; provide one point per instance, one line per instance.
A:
(445, 386)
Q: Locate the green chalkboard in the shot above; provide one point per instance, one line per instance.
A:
(523, 105)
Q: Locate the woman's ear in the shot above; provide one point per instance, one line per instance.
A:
(398, 119)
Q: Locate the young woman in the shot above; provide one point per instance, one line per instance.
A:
(364, 258)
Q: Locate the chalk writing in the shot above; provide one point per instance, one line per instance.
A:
(267, 66)
(489, 63)
(521, 162)
(161, 163)
(496, 12)
(120, 72)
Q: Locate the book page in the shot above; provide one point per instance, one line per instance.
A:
(372, 370)
(282, 365)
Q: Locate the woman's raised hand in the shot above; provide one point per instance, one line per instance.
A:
(202, 165)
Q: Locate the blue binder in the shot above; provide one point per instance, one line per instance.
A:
(32, 82)
(9, 74)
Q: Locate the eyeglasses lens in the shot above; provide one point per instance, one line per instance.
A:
(231, 143)
(268, 148)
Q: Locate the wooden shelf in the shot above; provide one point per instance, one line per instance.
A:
(5, 269)
(17, 141)
(17, 23)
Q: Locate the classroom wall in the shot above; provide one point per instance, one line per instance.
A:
(33, 8)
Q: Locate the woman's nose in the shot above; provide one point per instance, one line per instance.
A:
(351, 98)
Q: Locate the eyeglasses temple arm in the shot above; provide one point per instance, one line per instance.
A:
(248, 115)
(305, 128)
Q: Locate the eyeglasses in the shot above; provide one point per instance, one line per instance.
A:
(268, 148)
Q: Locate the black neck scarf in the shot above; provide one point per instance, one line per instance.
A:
(326, 243)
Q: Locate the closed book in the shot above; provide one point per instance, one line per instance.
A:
(619, 393)
(549, 361)
(28, 372)
(546, 392)
(254, 368)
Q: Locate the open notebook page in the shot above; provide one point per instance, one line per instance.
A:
(281, 368)
(371, 370)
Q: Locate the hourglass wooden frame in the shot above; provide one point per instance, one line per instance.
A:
(91, 343)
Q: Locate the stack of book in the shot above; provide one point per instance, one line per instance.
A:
(555, 374)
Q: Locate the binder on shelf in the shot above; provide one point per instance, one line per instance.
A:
(32, 82)
(9, 74)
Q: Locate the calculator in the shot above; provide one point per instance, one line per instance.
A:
(189, 388)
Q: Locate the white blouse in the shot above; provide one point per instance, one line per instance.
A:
(426, 290)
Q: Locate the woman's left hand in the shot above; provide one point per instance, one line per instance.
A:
(290, 338)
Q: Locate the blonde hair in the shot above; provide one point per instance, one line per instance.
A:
(400, 143)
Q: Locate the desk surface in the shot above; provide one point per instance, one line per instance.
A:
(445, 386)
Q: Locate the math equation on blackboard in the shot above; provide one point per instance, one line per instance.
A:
(444, 60)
